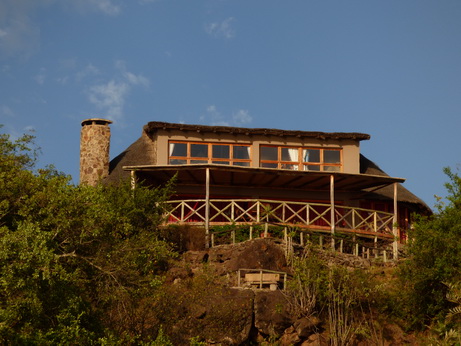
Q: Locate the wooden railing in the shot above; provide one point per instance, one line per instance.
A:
(297, 214)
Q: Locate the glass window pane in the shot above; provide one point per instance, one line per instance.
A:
(291, 167)
(311, 168)
(198, 162)
(311, 155)
(220, 151)
(177, 162)
(269, 153)
(269, 165)
(290, 154)
(241, 152)
(242, 164)
(331, 168)
(178, 149)
(331, 156)
(199, 150)
(221, 162)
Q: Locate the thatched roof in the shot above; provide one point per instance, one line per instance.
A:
(138, 153)
(387, 193)
(154, 126)
(141, 153)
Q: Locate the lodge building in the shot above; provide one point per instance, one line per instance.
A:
(316, 182)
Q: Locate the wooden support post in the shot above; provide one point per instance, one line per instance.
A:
(207, 207)
(238, 278)
(332, 210)
(233, 237)
(341, 245)
(357, 249)
(251, 232)
(133, 179)
(212, 239)
(384, 256)
(301, 238)
(321, 241)
(395, 245)
(261, 279)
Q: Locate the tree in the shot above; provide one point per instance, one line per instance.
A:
(434, 258)
(76, 262)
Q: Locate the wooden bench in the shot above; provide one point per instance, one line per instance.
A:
(262, 280)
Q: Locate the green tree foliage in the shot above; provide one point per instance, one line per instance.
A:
(77, 263)
(434, 258)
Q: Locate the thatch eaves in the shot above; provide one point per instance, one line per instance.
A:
(154, 126)
(387, 193)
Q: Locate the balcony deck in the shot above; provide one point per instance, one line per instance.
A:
(319, 217)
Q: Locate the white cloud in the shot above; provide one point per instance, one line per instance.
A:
(221, 29)
(88, 70)
(242, 117)
(20, 33)
(110, 97)
(107, 7)
(143, 2)
(19, 36)
(216, 118)
(130, 77)
(40, 77)
(6, 111)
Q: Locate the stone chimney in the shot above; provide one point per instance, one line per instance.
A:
(94, 150)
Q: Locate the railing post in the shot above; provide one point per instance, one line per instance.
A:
(332, 210)
(258, 211)
(207, 207)
(182, 211)
(395, 245)
(238, 278)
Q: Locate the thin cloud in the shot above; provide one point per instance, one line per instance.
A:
(242, 117)
(222, 29)
(216, 118)
(107, 7)
(88, 70)
(6, 111)
(130, 77)
(40, 77)
(111, 97)
(20, 34)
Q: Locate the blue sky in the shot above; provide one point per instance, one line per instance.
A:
(391, 69)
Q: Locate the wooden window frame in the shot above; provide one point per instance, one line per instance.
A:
(231, 161)
(300, 163)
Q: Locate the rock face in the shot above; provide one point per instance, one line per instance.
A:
(205, 302)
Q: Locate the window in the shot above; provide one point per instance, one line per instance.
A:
(183, 153)
(298, 158)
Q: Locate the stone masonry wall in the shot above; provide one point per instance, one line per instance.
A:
(94, 151)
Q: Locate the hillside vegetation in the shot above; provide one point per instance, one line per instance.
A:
(91, 266)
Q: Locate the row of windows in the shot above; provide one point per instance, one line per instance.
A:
(305, 159)
(195, 153)
(281, 157)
